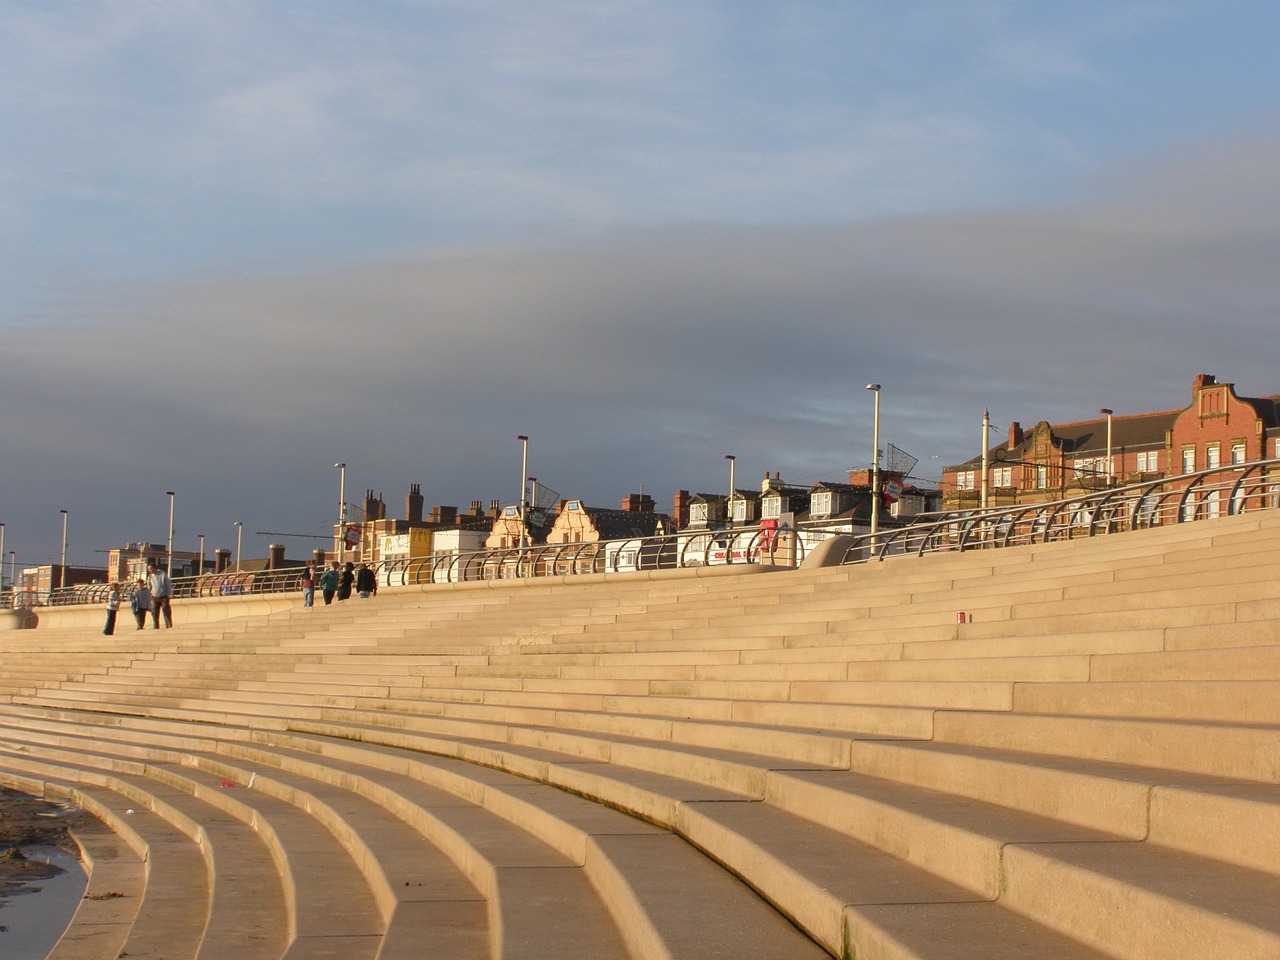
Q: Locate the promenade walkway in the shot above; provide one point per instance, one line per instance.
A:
(745, 763)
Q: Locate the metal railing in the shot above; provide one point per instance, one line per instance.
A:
(1223, 491)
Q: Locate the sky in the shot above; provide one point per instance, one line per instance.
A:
(244, 240)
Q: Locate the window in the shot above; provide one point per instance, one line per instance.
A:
(1042, 476)
(1237, 451)
(1188, 459)
(1212, 456)
(769, 507)
(821, 505)
(740, 509)
(1004, 476)
(964, 480)
(1149, 462)
(698, 512)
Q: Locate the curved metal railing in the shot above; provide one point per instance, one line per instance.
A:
(1223, 491)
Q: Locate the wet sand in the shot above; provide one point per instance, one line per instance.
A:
(40, 883)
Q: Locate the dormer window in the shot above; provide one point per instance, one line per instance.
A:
(771, 507)
(820, 505)
(698, 513)
(739, 510)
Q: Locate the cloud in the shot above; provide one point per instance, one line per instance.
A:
(642, 356)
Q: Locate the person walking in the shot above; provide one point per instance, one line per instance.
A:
(309, 583)
(140, 602)
(329, 583)
(161, 587)
(346, 582)
(366, 582)
(113, 605)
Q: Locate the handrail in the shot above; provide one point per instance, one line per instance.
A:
(1226, 490)
(1220, 491)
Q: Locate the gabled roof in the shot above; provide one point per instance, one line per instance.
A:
(1138, 431)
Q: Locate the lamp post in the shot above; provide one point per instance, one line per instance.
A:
(168, 570)
(13, 573)
(524, 487)
(341, 532)
(239, 531)
(200, 562)
(986, 446)
(1, 568)
(62, 570)
(1110, 471)
(733, 489)
(875, 460)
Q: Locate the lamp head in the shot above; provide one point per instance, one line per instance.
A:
(873, 386)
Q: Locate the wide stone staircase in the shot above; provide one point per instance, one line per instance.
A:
(745, 763)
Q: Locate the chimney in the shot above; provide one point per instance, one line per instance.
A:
(374, 507)
(413, 504)
(637, 503)
(1015, 434)
(680, 508)
(444, 515)
(495, 508)
(1202, 380)
(275, 556)
(476, 509)
(221, 559)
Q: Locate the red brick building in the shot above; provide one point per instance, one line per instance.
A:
(1051, 461)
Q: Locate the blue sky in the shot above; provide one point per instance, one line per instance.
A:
(240, 241)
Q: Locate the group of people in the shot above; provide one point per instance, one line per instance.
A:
(337, 580)
(150, 595)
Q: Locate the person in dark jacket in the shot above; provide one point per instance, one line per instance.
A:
(366, 582)
(347, 581)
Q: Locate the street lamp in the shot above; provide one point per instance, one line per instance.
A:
(2, 569)
(875, 461)
(62, 570)
(524, 487)
(986, 463)
(342, 510)
(200, 564)
(168, 571)
(733, 489)
(239, 531)
(1110, 471)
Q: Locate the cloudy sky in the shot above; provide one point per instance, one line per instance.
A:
(241, 240)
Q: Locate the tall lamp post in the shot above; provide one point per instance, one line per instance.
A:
(341, 532)
(2, 568)
(524, 488)
(200, 562)
(168, 570)
(1110, 470)
(986, 463)
(62, 570)
(733, 489)
(239, 531)
(875, 460)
